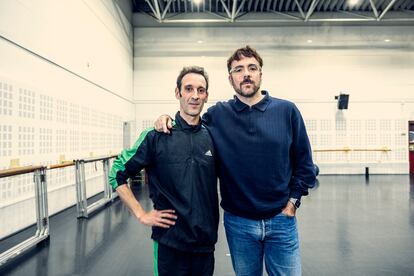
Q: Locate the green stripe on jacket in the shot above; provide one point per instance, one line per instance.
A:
(155, 258)
(124, 157)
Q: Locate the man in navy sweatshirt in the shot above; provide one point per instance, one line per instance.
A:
(265, 167)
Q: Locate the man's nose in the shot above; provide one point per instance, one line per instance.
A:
(246, 73)
(195, 95)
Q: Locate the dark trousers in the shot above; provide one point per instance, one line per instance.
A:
(173, 262)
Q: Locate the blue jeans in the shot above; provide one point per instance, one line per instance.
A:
(275, 239)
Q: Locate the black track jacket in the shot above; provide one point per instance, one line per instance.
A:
(182, 176)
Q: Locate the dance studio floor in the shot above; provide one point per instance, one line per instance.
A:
(349, 225)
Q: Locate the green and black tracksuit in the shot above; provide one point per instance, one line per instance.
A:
(182, 176)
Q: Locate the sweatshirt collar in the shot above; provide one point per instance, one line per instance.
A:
(261, 106)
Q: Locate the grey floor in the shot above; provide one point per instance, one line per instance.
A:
(348, 226)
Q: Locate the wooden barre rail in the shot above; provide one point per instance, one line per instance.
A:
(61, 165)
(348, 150)
(93, 159)
(29, 169)
(17, 171)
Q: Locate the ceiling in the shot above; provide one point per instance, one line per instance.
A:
(277, 12)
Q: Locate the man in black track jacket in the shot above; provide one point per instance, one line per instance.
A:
(182, 182)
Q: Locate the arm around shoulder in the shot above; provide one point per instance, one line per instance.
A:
(163, 123)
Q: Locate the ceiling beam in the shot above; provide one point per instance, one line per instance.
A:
(300, 9)
(287, 5)
(233, 11)
(226, 9)
(166, 9)
(319, 6)
(358, 15)
(262, 5)
(374, 8)
(311, 9)
(280, 5)
(255, 5)
(287, 15)
(249, 5)
(326, 5)
(219, 16)
(408, 11)
(239, 9)
(155, 10)
(274, 5)
(269, 3)
(333, 5)
(288, 19)
(386, 9)
(404, 5)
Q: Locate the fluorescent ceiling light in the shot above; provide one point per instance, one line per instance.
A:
(353, 2)
(309, 41)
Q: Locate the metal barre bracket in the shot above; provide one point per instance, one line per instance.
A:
(83, 210)
(42, 219)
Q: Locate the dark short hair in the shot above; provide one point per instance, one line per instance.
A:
(191, 69)
(245, 52)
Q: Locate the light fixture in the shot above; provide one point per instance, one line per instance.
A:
(199, 41)
(387, 40)
(197, 2)
(353, 2)
(309, 41)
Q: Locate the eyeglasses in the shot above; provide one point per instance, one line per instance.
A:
(251, 68)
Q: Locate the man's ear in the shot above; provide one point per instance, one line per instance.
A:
(205, 100)
(177, 93)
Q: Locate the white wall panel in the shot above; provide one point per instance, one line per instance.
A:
(90, 38)
(65, 91)
(353, 60)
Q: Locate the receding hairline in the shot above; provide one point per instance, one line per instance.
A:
(193, 73)
(192, 70)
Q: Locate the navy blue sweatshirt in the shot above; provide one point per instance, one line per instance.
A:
(263, 153)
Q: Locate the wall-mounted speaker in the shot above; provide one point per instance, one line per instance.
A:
(342, 101)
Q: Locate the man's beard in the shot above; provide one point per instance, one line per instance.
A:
(240, 91)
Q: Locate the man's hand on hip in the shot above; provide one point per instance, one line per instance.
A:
(159, 218)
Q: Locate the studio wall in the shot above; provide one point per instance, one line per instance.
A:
(65, 91)
(307, 65)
